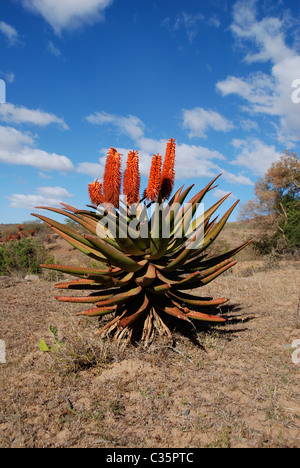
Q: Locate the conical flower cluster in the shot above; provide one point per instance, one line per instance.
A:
(161, 179)
(132, 179)
(148, 263)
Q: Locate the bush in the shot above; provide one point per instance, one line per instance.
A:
(290, 224)
(22, 257)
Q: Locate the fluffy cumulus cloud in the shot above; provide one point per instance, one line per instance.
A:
(129, 125)
(266, 93)
(219, 193)
(10, 113)
(255, 155)
(44, 196)
(19, 148)
(192, 161)
(9, 32)
(198, 161)
(94, 170)
(68, 14)
(198, 121)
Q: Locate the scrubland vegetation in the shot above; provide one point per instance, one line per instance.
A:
(232, 384)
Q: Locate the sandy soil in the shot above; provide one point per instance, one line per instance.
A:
(238, 387)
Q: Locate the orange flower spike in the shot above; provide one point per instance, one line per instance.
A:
(95, 193)
(152, 190)
(112, 178)
(132, 179)
(168, 171)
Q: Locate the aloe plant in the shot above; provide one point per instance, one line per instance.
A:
(154, 250)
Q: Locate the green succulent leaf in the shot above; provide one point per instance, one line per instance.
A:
(151, 256)
(116, 257)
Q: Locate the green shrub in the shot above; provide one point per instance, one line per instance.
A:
(286, 239)
(22, 257)
(290, 224)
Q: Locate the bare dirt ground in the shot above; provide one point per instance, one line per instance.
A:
(239, 387)
(235, 386)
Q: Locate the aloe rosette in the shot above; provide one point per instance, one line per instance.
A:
(152, 252)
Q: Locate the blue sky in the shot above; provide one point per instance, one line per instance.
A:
(221, 77)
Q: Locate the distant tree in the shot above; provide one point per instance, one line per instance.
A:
(277, 200)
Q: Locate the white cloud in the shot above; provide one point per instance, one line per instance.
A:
(255, 155)
(53, 49)
(214, 21)
(235, 178)
(13, 114)
(266, 93)
(191, 23)
(9, 32)
(267, 34)
(42, 175)
(19, 148)
(68, 14)
(92, 169)
(129, 125)
(198, 121)
(248, 125)
(9, 77)
(219, 193)
(258, 89)
(151, 146)
(53, 192)
(192, 161)
(49, 196)
(96, 170)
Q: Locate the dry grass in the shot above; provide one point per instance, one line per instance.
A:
(237, 388)
(224, 386)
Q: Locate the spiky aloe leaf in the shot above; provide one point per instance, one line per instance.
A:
(136, 310)
(81, 284)
(159, 235)
(198, 264)
(150, 262)
(81, 271)
(63, 229)
(213, 234)
(146, 276)
(175, 312)
(205, 317)
(159, 289)
(91, 299)
(89, 225)
(204, 280)
(97, 312)
(192, 300)
(185, 216)
(120, 298)
(116, 257)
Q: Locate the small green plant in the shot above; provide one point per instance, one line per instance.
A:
(77, 354)
(57, 344)
(22, 257)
